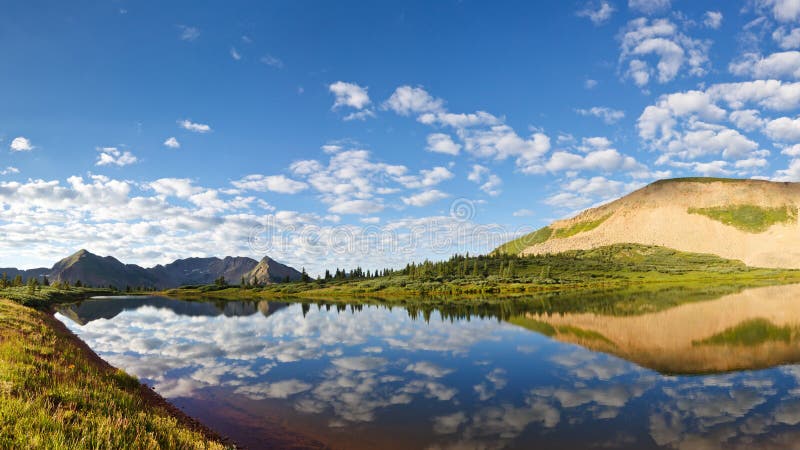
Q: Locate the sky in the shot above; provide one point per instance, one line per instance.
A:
(343, 134)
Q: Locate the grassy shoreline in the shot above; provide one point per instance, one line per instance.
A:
(56, 393)
(465, 278)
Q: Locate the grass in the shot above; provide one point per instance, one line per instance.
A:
(519, 244)
(541, 235)
(749, 218)
(616, 269)
(46, 295)
(55, 395)
(749, 333)
(553, 331)
(579, 227)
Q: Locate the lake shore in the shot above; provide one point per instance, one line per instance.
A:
(58, 393)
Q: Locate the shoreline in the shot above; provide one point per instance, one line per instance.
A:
(150, 396)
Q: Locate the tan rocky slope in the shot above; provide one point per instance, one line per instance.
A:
(752, 221)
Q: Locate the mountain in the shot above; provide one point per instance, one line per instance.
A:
(204, 270)
(753, 221)
(96, 270)
(11, 272)
(270, 271)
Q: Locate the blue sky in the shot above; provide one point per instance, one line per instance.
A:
(341, 133)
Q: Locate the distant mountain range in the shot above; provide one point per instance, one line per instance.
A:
(753, 221)
(96, 270)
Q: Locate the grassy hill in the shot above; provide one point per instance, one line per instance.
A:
(753, 221)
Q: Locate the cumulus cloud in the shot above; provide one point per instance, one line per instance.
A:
(272, 183)
(609, 115)
(489, 182)
(781, 10)
(425, 198)
(194, 127)
(21, 144)
(349, 94)
(442, 143)
(649, 6)
(712, 19)
(172, 142)
(787, 38)
(114, 156)
(598, 13)
(782, 65)
(783, 129)
(407, 100)
(9, 170)
(660, 40)
(235, 54)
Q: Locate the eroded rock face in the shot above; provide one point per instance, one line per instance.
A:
(665, 214)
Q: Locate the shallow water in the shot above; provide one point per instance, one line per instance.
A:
(360, 376)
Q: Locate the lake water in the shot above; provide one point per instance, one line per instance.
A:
(713, 372)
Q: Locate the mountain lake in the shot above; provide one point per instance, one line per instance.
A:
(718, 372)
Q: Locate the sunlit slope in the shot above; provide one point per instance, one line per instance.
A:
(752, 221)
(753, 329)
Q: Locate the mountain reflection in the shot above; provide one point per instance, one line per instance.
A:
(362, 376)
(753, 329)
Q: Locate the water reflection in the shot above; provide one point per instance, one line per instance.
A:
(374, 377)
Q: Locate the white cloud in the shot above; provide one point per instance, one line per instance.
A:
(609, 115)
(524, 213)
(413, 100)
(349, 94)
(272, 61)
(362, 207)
(787, 39)
(661, 39)
(189, 33)
(489, 182)
(781, 10)
(9, 170)
(364, 114)
(747, 119)
(21, 144)
(780, 65)
(425, 198)
(272, 183)
(235, 54)
(442, 143)
(426, 178)
(172, 142)
(428, 369)
(783, 129)
(597, 13)
(194, 127)
(712, 19)
(590, 83)
(174, 187)
(114, 156)
(649, 6)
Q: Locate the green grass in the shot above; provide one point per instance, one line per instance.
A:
(519, 244)
(617, 268)
(749, 333)
(750, 218)
(541, 235)
(46, 295)
(53, 396)
(579, 227)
